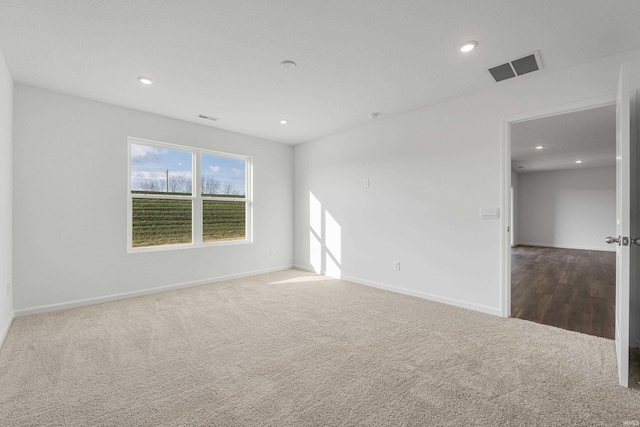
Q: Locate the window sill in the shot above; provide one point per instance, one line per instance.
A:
(187, 246)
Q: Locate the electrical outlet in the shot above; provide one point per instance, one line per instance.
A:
(366, 182)
(396, 265)
(272, 252)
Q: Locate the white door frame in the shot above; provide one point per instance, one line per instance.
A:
(506, 122)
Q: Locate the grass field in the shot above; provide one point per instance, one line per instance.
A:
(163, 221)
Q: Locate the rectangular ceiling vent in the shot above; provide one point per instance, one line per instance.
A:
(203, 116)
(517, 67)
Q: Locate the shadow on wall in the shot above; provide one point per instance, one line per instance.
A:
(325, 240)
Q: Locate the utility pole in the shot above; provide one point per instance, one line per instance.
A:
(167, 172)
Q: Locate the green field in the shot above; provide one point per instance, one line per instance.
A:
(164, 221)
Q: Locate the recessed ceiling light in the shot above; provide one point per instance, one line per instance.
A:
(284, 121)
(539, 147)
(374, 115)
(578, 161)
(145, 80)
(468, 46)
(288, 65)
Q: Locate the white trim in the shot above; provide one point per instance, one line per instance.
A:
(570, 107)
(506, 122)
(304, 268)
(182, 147)
(5, 329)
(399, 290)
(197, 211)
(179, 246)
(115, 297)
(505, 221)
(580, 248)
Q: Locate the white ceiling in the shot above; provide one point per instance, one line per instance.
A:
(588, 135)
(221, 57)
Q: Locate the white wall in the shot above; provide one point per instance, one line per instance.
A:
(6, 198)
(70, 204)
(515, 208)
(574, 209)
(430, 171)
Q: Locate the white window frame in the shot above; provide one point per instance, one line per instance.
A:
(196, 198)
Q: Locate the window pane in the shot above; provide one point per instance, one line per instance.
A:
(156, 170)
(223, 220)
(223, 176)
(161, 222)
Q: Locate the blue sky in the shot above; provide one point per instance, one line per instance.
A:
(149, 163)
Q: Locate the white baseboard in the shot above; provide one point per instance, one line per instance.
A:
(431, 297)
(5, 328)
(304, 268)
(405, 291)
(611, 248)
(114, 297)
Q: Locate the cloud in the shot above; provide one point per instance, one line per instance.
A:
(140, 152)
(139, 175)
(237, 171)
(157, 175)
(215, 169)
(183, 174)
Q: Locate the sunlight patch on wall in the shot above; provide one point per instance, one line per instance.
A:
(315, 233)
(315, 215)
(333, 245)
(325, 240)
(315, 252)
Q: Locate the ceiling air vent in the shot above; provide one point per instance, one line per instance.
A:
(502, 72)
(203, 116)
(517, 67)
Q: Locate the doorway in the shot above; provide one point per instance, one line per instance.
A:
(561, 197)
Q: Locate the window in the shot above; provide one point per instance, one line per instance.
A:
(181, 197)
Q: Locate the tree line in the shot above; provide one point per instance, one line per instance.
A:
(181, 184)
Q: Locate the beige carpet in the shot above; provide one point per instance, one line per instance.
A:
(295, 349)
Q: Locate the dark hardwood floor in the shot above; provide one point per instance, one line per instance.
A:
(567, 288)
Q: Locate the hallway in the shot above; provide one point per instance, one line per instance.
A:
(566, 288)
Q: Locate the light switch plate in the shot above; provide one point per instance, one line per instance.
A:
(489, 213)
